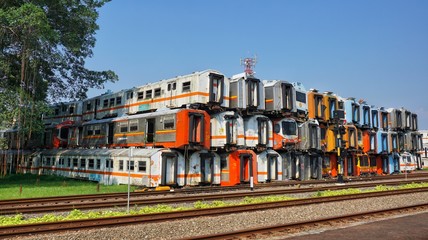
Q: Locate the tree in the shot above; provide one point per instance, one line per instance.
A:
(43, 48)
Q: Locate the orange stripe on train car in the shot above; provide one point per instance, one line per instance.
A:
(91, 137)
(268, 100)
(165, 131)
(128, 134)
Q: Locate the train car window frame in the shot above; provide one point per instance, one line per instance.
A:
(157, 92)
(186, 86)
(64, 108)
(118, 100)
(97, 102)
(105, 103)
(71, 110)
(130, 95)
(123, 127)
(91, 163)
(142, 166)
(70, 162)
(88, 106)
(75, 162)
(148, 94)
(98, 164)
(133, 125)
(121, 165)
(140, 95)
(112, 100)
(131, 166)
(301, 97)
(169, 124)
(83, 163)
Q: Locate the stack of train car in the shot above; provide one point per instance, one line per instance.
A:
(208, 129)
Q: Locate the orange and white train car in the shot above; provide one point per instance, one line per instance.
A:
(258, 132)
(227, 130)
(269, 166)
(146, 167)
(238, 167)
(203, 168)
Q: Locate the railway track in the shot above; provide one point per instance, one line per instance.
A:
(86, 202)
(120, 200)
(278, 230)
(17, 230)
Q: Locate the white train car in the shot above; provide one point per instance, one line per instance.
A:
(107, 105)
(148, 167)
(258, 132)
(269, 166)
(227, 130)
(301, 99)
(407, 162)
(208, 88)
(280, 96)
(247, 92)
(204, 169)
(61, 112)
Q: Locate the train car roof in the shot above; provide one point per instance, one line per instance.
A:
(105, 152)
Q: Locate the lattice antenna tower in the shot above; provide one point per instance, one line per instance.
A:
(249, 64)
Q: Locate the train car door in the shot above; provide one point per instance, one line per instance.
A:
(287, 96)
(171, 94)
(129, 101)
(110, 133)
(263, 130)
(207, 168)
(196, 128)
(216, 88)
(169, 169)
(253, 98)
(150, 130)
(231, 130)
(246, 167)
(272, 167)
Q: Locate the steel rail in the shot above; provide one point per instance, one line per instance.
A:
(25, 229)
(106, 203)
(254, 232)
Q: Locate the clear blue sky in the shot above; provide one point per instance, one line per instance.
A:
(373, 50)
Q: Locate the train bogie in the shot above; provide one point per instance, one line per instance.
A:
(258, 132)
(238, 167)
(227, 130)
(280, 96)
(247, 92)
(204, 169)
(269, 166)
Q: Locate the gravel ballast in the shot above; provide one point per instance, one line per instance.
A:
(209, 225)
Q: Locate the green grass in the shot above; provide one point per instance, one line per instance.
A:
(48, 186)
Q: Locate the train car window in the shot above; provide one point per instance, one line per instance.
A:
(71, 110)
(123, 126)
(186, 87)
(97, 102)
(130, 95)
(168, 124)
(118, 100)
(289, 128)
(56, 111)
(131, 165)
(46, 162)
(157, 92)
(91, 163)
(105, 103)
(133, 125)
(111, 102)
(111, 164)
(98, 163)
(140, 95)
(121, 165)
(148, 94)
(75, 162)
(69, 162)
(88, 106)
(142, 167)
(64, 108)
(174, 86)
(90, 132)
(301, 97)
(83, 163)
(97, 131)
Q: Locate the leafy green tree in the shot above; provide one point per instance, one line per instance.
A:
(43, 48)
